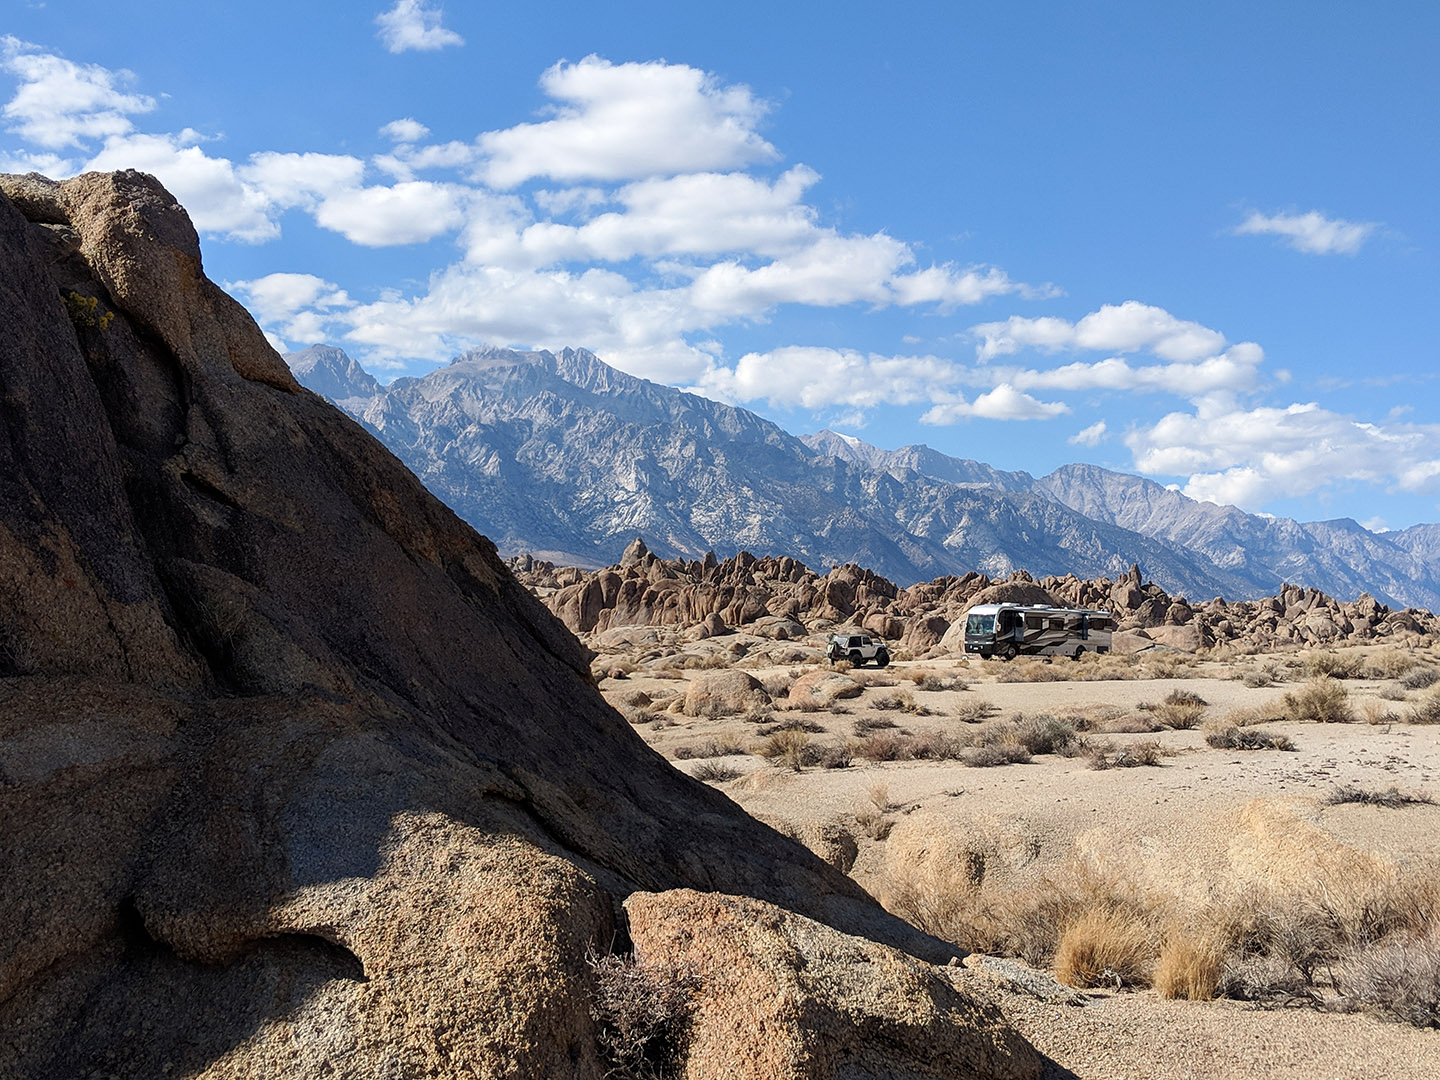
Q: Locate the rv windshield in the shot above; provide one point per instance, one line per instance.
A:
(979, 625)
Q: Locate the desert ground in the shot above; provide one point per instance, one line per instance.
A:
(1197, 867)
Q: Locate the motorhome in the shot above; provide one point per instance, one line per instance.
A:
(1009, 630)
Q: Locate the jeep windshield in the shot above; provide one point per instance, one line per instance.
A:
(979, 625)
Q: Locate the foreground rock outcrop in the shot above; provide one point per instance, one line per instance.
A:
(778, 597)
(294, 777)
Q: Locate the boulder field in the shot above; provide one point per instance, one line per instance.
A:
(297, 780)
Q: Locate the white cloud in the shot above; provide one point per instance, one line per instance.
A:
(1121, 328)
(60, 103)
(1233, 371)
(816, 378)
(299, 305)
(629, 121)
(411, 25)
(301, 179)
(404, 213)
(406, 130)
(1248, 457)
(1312, 233)
(1004, 402)
(1093, 435)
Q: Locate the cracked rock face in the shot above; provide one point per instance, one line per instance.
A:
(294, 776)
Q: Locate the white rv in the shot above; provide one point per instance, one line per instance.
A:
(1008, 630)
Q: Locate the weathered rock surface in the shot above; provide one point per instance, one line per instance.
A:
(295, 778)
(782, 997)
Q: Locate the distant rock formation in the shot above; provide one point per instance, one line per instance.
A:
(782, 598)
(295, 779)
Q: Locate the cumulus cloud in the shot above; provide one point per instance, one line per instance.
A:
(60, 103)
(1004, 402)
(298, 305)
(816, 378)
(629, 121)
(1233, 371)
(412, 26)
(1121, 328)
(1312, 233)
(406, 130)
(1093, 435)
(1248, 457)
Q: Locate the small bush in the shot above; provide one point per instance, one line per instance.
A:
(982, 757)
(1104, 948)
(1131, 756)
(1392, 799)
(1185, 697)
(1322, 700)
(1043, 734)
(930, 679)
(1257, 679)
(1392, 692)
(1262, 977)
(1374, 712)
(1180, 715)
(778, 685)
(715, 772)
(1129, 724)
(865, 725)
(837, 756)
(1420, 678)
(1321, 663)
(972, 712)
(900, 701)
(718, 746)
(1400, 978)
(791, 723)
(1390, 664)
(1426, 710)
(1230, 737)
(644, 1014)
(1029, 670)
(789, 749)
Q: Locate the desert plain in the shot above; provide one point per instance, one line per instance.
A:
(1165, 865)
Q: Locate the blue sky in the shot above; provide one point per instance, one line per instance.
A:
(1198, 245)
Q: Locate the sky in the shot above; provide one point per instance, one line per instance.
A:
(1199, 245)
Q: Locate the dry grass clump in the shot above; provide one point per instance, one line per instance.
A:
(1181, 710)
(715, 772)
(1374, 711)
(643, 1011)
(1322, 662)
(715, 746)
(1106, 755)
(789, 748)
(1104, 947)
(1392, 692)
(875, 678)
(1042, 733)
(1025, 669)
(1124, 723)
(984, 757)
(1420, 679)
(973, 712)
(1322, 700)
(1191, 964)
(873, 815)
(790, 723)
(1390, 663)
(930, 679)
(901, 745)
(1230, 737)
(900, 701)
(865, 725)
(1426, 710)
(777, 684)
(1392, 798)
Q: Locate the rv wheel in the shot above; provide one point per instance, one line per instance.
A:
(1079, 652)
(1009, 652)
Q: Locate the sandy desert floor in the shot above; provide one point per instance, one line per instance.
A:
(1202, 830)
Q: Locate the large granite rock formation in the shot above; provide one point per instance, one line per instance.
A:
(295, 779)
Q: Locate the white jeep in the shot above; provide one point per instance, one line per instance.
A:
(859, 649)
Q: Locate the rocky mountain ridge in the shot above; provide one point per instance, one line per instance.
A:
(565, 458)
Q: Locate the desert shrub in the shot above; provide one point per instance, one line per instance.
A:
(1373, 712)
(1390, 663)
(1392, 798)
(1180, 696)
(873, 815)
(1322, 662)
(1230, 737)
(777, 684)
(789, 749)
(1028, 670)
(836, 756)
(1400, 978)
(1426, 710)
(1190, 965)
(1420, 678)
(1042, 733)
(900, 745)
(1249, 716)
(1180, 715)
(866, 724)
(1322, 700)
(972, 712)
(791, 723)
(644, 1014)
(715, 771)
(981, 757)
(1392, 692)
(875, 678)
(930, 679)
(1105, 755)
(1257, 679)
(1262, 977)
(716, 746)
(1128, 724)
(900, 701)
(637, 717)
(1168, 666)
(1104, 947)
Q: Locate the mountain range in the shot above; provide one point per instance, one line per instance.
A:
(561, 456)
